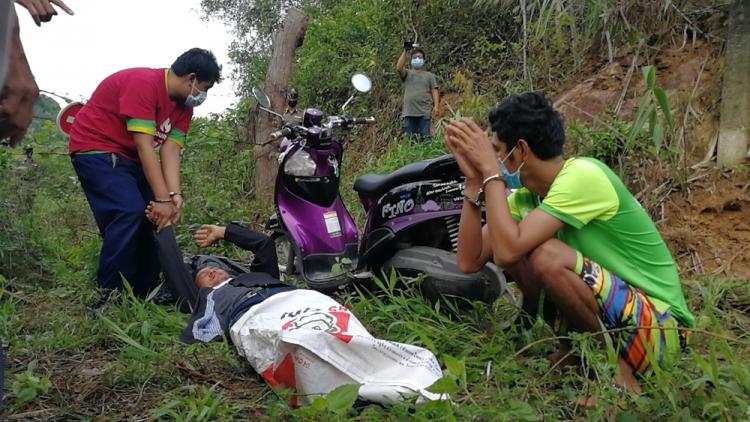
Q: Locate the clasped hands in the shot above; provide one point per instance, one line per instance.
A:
(472, 149)
(163, 214)
(205, 236)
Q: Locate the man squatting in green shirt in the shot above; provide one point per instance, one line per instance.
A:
(572, 231)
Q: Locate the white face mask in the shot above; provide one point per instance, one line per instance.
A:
(417, 62)
(195, 100)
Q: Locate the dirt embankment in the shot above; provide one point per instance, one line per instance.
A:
(705, 221)
(690, 76)
(708, 228)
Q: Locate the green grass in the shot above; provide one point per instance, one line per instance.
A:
(124, 358)
(69, 358)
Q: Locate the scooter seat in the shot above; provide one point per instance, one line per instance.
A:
(375, 185)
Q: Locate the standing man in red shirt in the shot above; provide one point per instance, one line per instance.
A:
(113, 145)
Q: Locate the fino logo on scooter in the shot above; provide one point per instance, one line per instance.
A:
(404, 206)
(399, 208)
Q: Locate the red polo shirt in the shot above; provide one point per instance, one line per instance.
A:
(131, 100)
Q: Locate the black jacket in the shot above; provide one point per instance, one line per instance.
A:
(213, 310)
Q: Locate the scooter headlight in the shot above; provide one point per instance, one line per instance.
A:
(300, 164)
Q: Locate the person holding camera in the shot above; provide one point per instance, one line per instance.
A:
(421, 95)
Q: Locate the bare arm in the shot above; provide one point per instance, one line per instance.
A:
(163, 212)
(435, 102)
(151, 168)
(401, 65)
(511, 240)
(19, 92)
(472, 255)
(504, 240)
(170, 165)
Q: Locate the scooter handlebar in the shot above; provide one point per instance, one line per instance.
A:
(364, 120)
(342, 121)
(283, 133)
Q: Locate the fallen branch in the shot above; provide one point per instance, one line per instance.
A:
(192, 373)
(31, 414)
(16, 296)
(728, 265)
(693, 26)
(628, 77)
(690, 110)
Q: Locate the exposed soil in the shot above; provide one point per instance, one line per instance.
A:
(690, 75)
(708, 229)
(706, 220)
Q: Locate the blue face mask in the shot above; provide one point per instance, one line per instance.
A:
(195, 100)
(512, 180)
(417, 62)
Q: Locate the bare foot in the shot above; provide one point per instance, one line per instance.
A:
(585, 402)
(563, 357)
(624, 379)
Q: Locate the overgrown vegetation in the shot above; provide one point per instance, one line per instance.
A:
(70, 357)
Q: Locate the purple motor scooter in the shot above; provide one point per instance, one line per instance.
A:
(412, 214)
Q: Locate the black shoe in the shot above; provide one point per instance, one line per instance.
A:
(165, 296)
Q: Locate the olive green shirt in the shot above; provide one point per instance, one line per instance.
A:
(418, 88)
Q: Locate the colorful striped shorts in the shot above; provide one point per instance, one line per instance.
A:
(653, 335)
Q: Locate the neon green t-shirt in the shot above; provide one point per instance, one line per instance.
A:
(605, 223)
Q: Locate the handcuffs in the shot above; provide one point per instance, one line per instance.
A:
(479, 200)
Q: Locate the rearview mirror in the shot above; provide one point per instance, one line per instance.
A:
(261, 97)
(361, 82)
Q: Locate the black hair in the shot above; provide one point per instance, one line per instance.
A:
(199, 61)
(529, 116)
(419, 50)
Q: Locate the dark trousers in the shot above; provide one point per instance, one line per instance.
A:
(417, 127)
(118, 192)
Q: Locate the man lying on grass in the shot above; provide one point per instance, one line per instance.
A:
(571, 231)
(296, 338)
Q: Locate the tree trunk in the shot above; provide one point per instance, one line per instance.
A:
(285, 42)
(734, 129)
